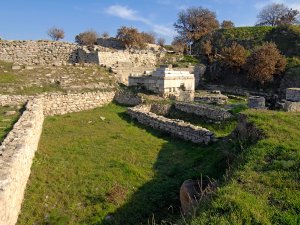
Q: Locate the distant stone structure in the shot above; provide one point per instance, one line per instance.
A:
(292, 103)
(256, 102)
(167, 83)
(63, 53)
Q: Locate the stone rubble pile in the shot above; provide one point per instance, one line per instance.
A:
(178, 128)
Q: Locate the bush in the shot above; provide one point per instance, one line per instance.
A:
(56, 33)
(148, 37)
(88, 38)
(234, 57)
(131, 37)
(264, 63)
(161, 42)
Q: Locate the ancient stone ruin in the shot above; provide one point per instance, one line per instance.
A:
(292, 103)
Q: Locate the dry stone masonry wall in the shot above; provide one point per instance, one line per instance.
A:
(16, 155)
(38, 52)
(62, 104)
(177, 128)
(292, 103)
(18, 148)
(62, 53)
(208, 111)
(6, 100)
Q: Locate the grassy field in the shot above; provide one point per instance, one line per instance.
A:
(264, 187)
(87, 169)
(7, 121)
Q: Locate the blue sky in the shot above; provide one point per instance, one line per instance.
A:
(30, 19)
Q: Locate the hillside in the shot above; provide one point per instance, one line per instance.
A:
(263, 185)
(287, 38)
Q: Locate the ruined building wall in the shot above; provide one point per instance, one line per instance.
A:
(177, 128)
(18, 148)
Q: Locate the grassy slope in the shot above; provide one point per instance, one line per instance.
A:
(84, 171)
(264, 187)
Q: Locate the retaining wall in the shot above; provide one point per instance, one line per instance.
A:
(208, 111)
(18, 148)
(177, 128)
(16, 155)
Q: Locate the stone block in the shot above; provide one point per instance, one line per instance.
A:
(292, 106)
(293, 94)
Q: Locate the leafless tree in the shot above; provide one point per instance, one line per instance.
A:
(277, 14)
(105, 34)
(195, 22)
(56, 33)
(161, 42)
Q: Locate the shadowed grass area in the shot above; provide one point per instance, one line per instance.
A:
(264, 187)
(7, 121)
(87, 168)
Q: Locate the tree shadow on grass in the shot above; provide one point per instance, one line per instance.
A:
(177, 161)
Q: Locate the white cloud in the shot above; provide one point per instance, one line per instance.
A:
(130, 14)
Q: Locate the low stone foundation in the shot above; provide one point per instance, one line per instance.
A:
(208, 111)
(16, 155)
(292, 106)
(178, 128)
(6, 100)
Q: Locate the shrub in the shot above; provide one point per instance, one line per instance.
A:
(178, 45)
(105, 34)
(264, 63)
(161, 42)
(234, 57)
(148, 37)
(130, 37)
(56, 33)
(227, 24)
(88, 38)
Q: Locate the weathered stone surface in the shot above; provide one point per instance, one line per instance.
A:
(9, 113)
(177, 128)
(256, 102)
(17, 152)
(292, 106)
(211, 97)
(208, 111)
(190, 193)
(293, 94)
(125, 97)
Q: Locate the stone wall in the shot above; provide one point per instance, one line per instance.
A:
(293, 94)
(6, 100)
(16, 155)
(38, 52)
(18, 148)
(62, 104)
(177, 128)
(208, 111)
(62, 53)
(125, 97)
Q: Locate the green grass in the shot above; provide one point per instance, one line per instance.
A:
(87, 168)
(7, 122)
(221, 129)
(264, 186)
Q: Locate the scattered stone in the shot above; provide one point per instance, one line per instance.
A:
(102, 118)
(190, 193)
(29, 67)
(16, 67)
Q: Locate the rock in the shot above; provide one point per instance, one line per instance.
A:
(189, 196)
(9, 113)
(29, 67)
(102, 118)
(16, 67)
